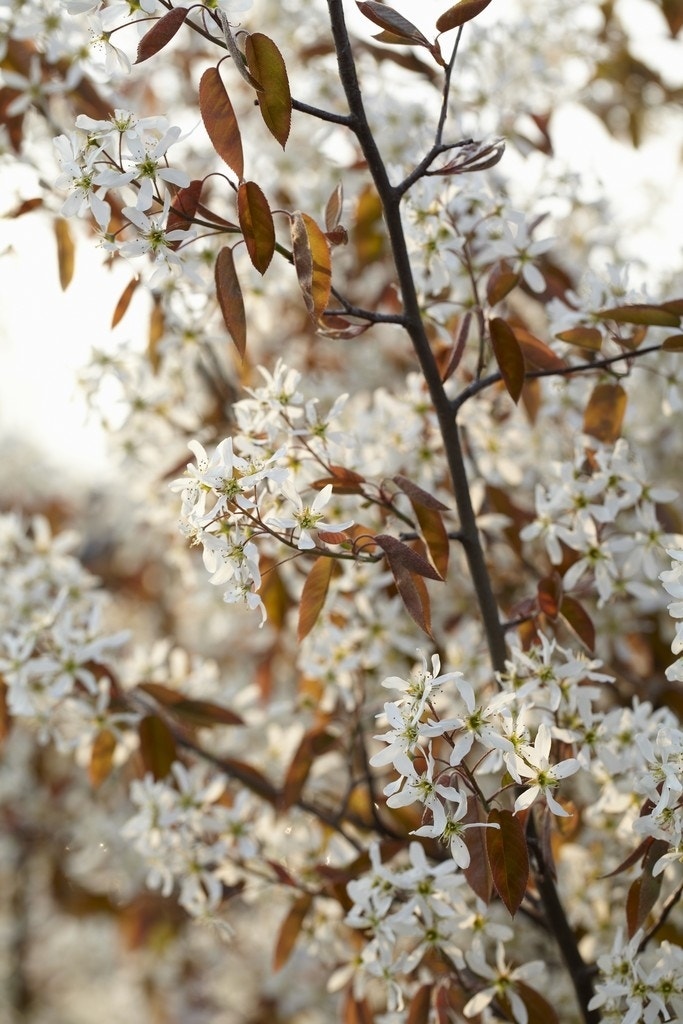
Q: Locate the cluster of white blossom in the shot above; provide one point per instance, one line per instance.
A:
(602, 506)
(639, 987)
(672, 580)
(55, 653)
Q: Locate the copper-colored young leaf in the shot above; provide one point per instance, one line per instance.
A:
(313, 595)
(413, 592)
(460, 13)
(251, 778)
(101, 757)
(578, 619)
(641, 313)
(604, 414)
(537, 355)
(157, 746)
(344, 481)
(673, 13)
(417, 495)
(230, 299)
(501, 282)
(674, 343)
(508, 857)
(477, 873)
(290, 929)
(644, 891)
(368, 231)
(204, 713)
(220, 120)
(418, 1011)
(633, 857)
(155, 332)
(66, 252)
(25, 206)
(550, 595)
(123, 303)
(394, 23)
(313, 264)
(160, 33)
(508, 356)
(588, 338)
(256, 222)
(674, 305)
(458, 349)
(435, 537)
(266, 64)
(184, 207)
(333, 208)
(400, 554)
(539, 1010)
(314, 743)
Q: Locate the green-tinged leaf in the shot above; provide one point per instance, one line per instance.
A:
(477, 873)
(313, 744)
(508, 858)
(539, 1010)
(674, 343)
(313, 595)
(160, 33)
(230, 299)
(400, 554)
(589, 338)
(508, 356)
(220, 120)
(641, 313)
(101, 757)
(644, 891)
(184, 208)
(157, 746)
(418, 1011)
(66, 252)
(578, 619)
(256, 222)
(333, 208)
(395, 24)
(290, 929)
(266, 64)
(537, 355)
(123, 303)
(313, 264)
(460, 13)
(604, 414)
(549, 592)
(501, 282)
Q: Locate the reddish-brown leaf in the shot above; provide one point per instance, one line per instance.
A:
(312, 262)
(537, 355)
(642, 313)
(501, 282)
(413, 592)
(124, 301)
(644, 891)
(266, 64)
(160, 33)
(508, 858)
(550, 595)
(256, 222)
(604, 414)
(313, 595)
(204, 713)
(157, 746)
(101, 757)
(417, 495)
(458, 347)
(674, 343)
(344, 481)
(435, 536)
(478, 872)
(508, 356)
(539, 1010)
(314, 743)
(184, 207)
(333, 208)
(418, 1011)
(66, 252)
(588, 338)
(394, 23)
(220, 120)
(289, 932)
(400, 554)
(460, 13)
(230, 299)
(578, 619)
(673, 13)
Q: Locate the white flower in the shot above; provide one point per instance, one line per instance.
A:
(532, 763)
(306, 517)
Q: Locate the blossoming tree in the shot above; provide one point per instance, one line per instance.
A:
(387, 695)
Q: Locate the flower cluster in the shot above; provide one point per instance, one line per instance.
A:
(672, 580)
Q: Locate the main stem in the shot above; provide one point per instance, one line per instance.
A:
(390, 198)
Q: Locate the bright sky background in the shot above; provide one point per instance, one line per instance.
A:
(46, 335)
